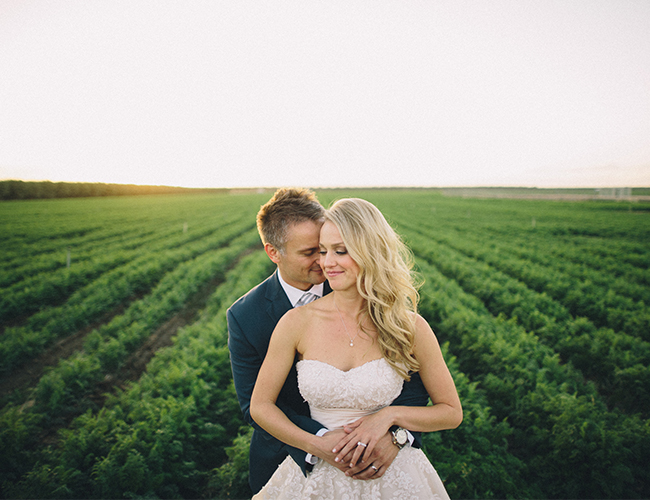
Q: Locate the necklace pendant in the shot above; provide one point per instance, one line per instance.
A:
(351, 344)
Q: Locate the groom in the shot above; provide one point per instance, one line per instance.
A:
(289, 226)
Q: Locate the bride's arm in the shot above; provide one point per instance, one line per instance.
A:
(272, 375)
(444, 413)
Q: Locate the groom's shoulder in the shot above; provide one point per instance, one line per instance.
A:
(254, 296)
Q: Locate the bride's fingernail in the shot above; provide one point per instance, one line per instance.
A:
(336, 459)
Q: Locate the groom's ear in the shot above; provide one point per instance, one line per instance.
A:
(272, 252)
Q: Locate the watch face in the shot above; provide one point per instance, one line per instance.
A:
(400, 436)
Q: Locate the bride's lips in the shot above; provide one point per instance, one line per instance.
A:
(333, 274)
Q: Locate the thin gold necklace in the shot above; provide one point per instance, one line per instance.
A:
(345, 327)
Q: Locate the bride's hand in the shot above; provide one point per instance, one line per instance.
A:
(325, 444)
(377, 464)
(364, 431)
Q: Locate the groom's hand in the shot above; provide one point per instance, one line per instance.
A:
(328, 441)
(375, 466)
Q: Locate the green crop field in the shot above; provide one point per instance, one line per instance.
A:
(115, 379)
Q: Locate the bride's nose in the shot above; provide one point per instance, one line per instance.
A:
(326, 259)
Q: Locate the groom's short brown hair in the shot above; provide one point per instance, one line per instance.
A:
(288, 206)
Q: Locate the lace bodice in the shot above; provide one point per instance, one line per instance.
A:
(337, 397)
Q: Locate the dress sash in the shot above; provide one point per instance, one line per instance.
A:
(336, 418)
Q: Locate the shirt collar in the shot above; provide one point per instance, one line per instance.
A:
(294, 294)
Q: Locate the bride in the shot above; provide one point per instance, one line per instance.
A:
(356, 346)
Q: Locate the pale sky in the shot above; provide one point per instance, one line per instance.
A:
(250, 93)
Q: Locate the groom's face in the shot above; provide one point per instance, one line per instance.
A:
(299, 262)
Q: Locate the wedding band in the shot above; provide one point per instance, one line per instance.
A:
(361, 444)
(375, 468)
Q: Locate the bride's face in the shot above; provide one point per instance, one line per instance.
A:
(335, 261)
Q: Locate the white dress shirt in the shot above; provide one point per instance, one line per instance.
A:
(295, 294)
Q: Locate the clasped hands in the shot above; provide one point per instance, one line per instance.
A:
(363, 449)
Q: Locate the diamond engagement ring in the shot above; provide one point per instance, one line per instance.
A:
(375, 468)
(361, 444)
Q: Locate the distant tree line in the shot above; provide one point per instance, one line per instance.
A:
(21, 190)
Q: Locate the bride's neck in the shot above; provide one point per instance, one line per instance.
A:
(349, 304)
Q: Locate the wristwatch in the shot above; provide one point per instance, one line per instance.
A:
(400, 437)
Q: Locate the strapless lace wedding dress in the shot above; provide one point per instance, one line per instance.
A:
(335, 398)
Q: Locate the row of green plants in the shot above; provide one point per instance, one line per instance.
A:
(617, 228)
(36, 259)
(597, 299)
(617, 362)
(605, 270)
(572, 231)
(106, 348)
(35, 292)
(572, 444)
(25, 268)
(601, 297)
(41, 227)
(569, 257)
(102, 295)
(162, 436)
(33, 254)
(34, 228)
(62, 392)
(586, 233)
(49, 287)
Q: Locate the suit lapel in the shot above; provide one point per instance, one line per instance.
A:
(277, 302)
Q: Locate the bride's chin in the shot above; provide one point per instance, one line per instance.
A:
(341, 288)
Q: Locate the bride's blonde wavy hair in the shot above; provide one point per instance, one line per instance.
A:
(385, 278)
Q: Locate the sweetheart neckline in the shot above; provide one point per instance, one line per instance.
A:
(338, 369)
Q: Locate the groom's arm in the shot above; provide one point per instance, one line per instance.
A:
(245, 363)
(413, 394)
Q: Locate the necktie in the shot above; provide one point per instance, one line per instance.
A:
(306, 298)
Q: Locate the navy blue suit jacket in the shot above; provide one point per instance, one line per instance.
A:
(251, 321)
